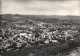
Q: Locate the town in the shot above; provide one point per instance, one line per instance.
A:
(19, 37)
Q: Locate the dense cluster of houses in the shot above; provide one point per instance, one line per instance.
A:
(13, 39)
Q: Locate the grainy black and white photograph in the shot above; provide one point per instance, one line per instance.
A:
(39, 27)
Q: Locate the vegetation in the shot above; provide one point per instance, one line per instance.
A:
(46, 50)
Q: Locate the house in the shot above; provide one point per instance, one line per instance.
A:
(55, 41)
(0, 38)
(46, 41)
(22, 34)
(30, 36)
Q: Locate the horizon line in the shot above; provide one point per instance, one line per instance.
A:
(38, 14)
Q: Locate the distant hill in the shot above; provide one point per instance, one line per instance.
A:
(40, 16)
(34, 19)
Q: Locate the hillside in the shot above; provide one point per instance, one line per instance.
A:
(38, 35)
(49, 19)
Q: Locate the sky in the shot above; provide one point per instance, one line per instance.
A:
(41, 7)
